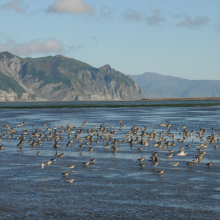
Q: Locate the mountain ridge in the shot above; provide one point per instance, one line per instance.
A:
(156, 85)
(59, 78)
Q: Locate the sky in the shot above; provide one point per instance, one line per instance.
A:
(178, 38)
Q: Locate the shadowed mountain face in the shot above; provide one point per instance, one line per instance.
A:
(58, 78)
(160, 86)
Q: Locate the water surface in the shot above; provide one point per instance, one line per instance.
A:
(114, 186)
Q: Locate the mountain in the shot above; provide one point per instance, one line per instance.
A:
(58, 78)
(160, 86)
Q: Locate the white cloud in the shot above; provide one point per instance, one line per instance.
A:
(34, 47)
(70, 7)
(15, 5)
(196, 23)
(95, 39)
(131, 15)
(106, 12)
(74, 48)
(155, 19)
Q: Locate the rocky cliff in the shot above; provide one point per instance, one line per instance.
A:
(58, 78)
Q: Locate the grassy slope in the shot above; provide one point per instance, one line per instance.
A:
(46, 69)
(76, 75)
(6, 83)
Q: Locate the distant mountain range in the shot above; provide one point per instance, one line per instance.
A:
(58, 78)
(160, 86)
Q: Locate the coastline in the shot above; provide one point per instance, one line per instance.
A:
(184, 99)
(140, 100)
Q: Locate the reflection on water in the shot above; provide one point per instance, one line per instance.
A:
(114, 185)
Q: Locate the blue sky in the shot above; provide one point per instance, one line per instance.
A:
(171, 37)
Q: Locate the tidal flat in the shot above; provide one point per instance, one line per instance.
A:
(114, 186)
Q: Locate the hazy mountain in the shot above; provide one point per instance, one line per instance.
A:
(160, 86)
(58, 78)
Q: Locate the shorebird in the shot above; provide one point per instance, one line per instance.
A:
(153, 159)
(90, 150)
(170, 155)
(70, 180)
(209, 164)
(48, 163)
(66, 173)
(42, 165)
(154, 154)
(142, 164)
(61, 155)
(196, 160)
(141, 159)
(119, 122)
(86, 164)
(93, 160)
(71, 166)
(122, 127)
(175, 164)
(106, 146)
(160, 171)
(190, 164)
(182, 153)
(156, 163)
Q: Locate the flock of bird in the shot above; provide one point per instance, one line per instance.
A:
(136, 138)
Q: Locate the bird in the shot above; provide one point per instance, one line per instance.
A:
(182, 153)
(175, 164)
(142, 164)
(71, 166)
(156, 163)
(42, 165)
(209, 164)
(141, 159)
(90, 150)
(61, 155)
(153, 159)
(86, 164)
(160, 171)
(154, 154)
(70, 180)
(196, 160)
(48, 163)
(190, 164)
(170, 155)
(66, 173)
(93, 160)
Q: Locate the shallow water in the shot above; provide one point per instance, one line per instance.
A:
(114, 186)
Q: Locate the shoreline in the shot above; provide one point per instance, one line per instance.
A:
(184, 99)
(140, 100)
